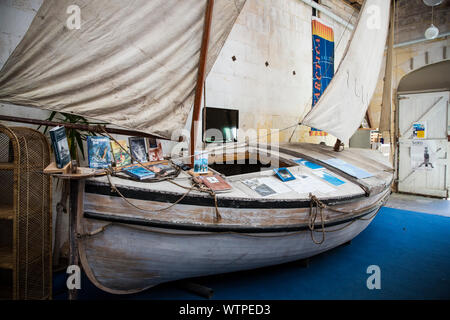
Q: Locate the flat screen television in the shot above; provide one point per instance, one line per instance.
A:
(220, 125)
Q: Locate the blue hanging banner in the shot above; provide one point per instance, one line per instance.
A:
(323, 62)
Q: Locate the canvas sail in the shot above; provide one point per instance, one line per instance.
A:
(131, 63)
(344, 103)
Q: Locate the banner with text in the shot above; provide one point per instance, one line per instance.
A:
(323, 62)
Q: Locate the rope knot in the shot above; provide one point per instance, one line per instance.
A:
(316, 207)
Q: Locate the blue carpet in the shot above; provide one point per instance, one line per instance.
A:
(412, 250)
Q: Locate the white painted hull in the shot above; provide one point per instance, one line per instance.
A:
(128, 248)
(127, 259)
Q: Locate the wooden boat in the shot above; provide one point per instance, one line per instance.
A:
(125, 250)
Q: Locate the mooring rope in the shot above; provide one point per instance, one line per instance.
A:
(316, 206)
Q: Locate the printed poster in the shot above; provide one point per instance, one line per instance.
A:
(423, 155)
(323, 62)
(419, 130)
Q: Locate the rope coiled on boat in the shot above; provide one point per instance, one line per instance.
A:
(195, 186)
(316, 206)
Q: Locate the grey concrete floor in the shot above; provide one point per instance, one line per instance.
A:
(419, 204)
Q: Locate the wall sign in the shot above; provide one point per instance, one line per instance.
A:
(323, 62)
(420, 130)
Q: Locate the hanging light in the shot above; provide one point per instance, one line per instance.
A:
(432, 32)
(432, 3)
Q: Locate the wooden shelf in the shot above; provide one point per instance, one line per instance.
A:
(6, 258)
(7, 165)
(6, 212)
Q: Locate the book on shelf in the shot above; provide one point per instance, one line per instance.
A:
(214, 182)
(99, 152)
(138, 149)
(121, 157)
(138, 172)
(200, 162)
(155, 152)
(60, 146)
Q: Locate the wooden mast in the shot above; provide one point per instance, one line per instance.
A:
(200, 77)
(385, 116)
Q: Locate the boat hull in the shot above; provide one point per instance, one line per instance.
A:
(126, 258)
(136, 236)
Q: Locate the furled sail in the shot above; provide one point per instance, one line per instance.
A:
(130, 63)
(344, 103)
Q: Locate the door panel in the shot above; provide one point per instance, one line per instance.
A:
(431, 108)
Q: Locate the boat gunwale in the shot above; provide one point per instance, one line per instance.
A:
(103, 188)
(221, 228)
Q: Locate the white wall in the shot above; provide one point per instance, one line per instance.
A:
(279, 32)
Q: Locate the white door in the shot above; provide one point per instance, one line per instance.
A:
(423, 144)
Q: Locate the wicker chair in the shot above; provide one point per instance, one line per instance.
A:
(25, 215)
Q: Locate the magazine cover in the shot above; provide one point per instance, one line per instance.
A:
(139, 172)
(138, 148)
(201, 162)
(99, 152)
(261, 188)
(155, 152)
(121, 158)
(60, 146)
(162, 169)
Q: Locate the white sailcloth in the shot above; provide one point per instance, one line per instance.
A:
(131, 63)
(344, 103)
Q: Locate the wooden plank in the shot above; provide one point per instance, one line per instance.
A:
(76, 206)
(386, 109)
(201, 76)
(52, 168)
(82, 173)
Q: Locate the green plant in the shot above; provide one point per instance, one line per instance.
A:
(75, 137)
